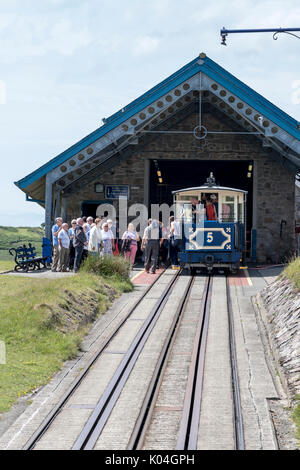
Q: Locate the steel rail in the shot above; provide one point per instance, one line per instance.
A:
(189, 425)
(145, 415)
(57, 409)
(236, 397)
(95, 424)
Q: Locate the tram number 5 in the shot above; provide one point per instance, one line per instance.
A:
(210, 237)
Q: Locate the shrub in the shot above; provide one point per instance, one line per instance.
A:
(107, 266)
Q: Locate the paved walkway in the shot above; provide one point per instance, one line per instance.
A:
(41, 274)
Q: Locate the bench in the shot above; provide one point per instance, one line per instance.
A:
(27, 259)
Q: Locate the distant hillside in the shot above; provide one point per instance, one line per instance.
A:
(11, 237)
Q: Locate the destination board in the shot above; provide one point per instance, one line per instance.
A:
(209, 238)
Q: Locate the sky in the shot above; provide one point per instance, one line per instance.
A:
(66, 64)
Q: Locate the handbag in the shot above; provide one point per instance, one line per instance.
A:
(126, 245)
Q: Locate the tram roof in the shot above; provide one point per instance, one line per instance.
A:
(210, 188)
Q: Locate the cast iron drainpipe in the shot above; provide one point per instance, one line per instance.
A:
(282, 222)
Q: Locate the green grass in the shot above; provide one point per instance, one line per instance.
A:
(7, 265)
(296, 417)
(36, 327)
(292, 272)
(14, 236)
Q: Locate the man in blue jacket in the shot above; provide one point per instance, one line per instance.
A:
(57, 227)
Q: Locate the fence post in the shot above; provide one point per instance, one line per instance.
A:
(2, 352)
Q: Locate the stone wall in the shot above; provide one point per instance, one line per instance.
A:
(274, 185)
(282, 304)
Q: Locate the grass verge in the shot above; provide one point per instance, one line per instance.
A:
(6, 265)
(292, 272)
(296, 417)
(15, 236)
(42, 323)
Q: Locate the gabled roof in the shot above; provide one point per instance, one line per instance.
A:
(203, 64)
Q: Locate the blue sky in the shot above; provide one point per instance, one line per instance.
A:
(66, 64)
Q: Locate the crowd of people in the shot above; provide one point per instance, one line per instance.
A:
(100, 237)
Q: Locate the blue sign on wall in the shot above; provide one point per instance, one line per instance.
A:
(116, 191)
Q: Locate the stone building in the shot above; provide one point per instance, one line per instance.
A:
(199, 120)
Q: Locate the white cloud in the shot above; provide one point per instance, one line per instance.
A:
(65, 39)
(145, 45)
(2, 92)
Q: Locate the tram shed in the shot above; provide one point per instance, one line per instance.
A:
(199, 120)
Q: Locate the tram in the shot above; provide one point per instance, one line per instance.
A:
(213, 226)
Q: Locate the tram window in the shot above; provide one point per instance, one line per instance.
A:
(212, 197)
(228, 209)
(186, 197)
(240, 211)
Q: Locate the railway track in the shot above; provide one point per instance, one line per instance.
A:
(94, 426)
(30, 445)
(189, 424)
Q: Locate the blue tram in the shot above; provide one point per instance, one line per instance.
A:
(213, 221)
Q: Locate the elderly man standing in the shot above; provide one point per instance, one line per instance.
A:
(80, 240)
(64, 248)
(151, 240)
(55, 231)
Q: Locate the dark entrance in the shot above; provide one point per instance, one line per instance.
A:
(170, 175)
(89, 208)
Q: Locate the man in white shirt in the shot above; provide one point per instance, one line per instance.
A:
(174, 237)
(151, 240)
(64, 248)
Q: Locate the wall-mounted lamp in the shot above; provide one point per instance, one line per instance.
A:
(250, 168)
(159, 173)
(160, 180)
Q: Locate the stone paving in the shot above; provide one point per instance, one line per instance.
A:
(40, 274)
